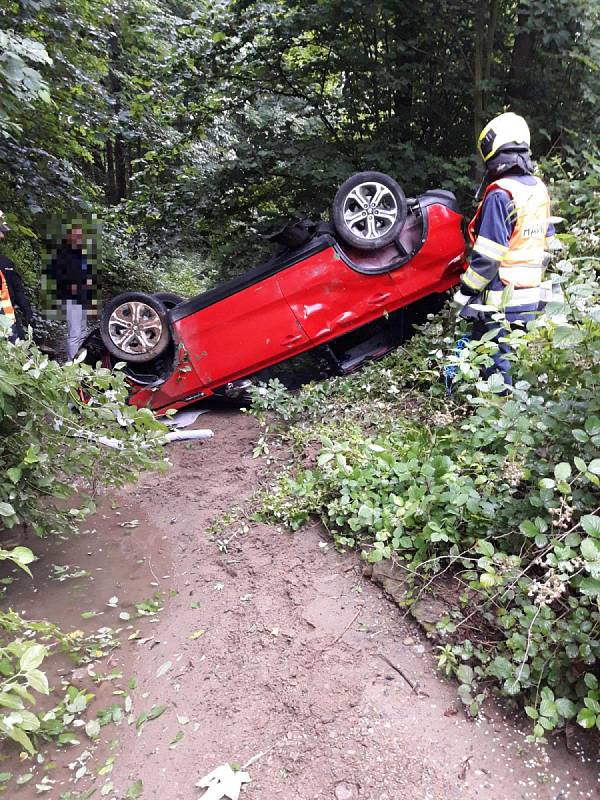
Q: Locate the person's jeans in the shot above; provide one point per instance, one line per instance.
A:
(76, 327)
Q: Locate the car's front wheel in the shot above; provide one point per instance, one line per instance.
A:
(369, 210)
(134, 327)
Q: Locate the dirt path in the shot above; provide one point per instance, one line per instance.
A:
(275, 647)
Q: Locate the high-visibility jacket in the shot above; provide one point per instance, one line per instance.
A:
(520, 264)
(6, 306)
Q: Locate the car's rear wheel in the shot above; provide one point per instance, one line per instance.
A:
(369, 210)
(169, 299)
(134, 327)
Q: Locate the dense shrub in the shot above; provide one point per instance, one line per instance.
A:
(501, 494)
(56, 450)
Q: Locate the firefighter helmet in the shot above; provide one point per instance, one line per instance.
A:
(506, 131)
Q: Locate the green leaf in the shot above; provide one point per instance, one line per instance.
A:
(592, 425)
(591, 681)
(465, 674)
(38, 681)
(591, 524)
(547, 708)
(176, 739)
(548, 723)
(156, 711)
(566, 336)
(92, 728)
(23, 555)
(562, 471)
(18, 735)
(565, 707)
(586, 718)
(501, 667)
(163, 668)
(135, 790)
(8, 700)
(594, 466)
(6, 510)
(528, 528)
(590, 587)
(32, 657)
(14, 473)
(143, 717)
(484, 547)
(547, 483)
(592, 704)
(590, 550)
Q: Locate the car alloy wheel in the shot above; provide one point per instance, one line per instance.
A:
(134, 327)
(369, 210)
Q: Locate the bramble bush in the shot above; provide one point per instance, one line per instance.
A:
(56, 451)
(499, 494)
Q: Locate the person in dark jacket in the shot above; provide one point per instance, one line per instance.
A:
(12, 292)
(68, 270)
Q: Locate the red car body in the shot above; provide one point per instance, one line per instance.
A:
(300, 300)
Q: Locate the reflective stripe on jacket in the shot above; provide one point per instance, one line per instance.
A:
(6, 306)
(521, 263)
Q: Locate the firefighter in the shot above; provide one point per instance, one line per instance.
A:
(509, 234)
(12, 292)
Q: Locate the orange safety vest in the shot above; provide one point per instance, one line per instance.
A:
(6, 306)
(521, 263)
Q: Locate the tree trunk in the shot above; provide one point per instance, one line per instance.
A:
(110, 188)
(478, 98)
(519, 83)
(120, 169)
(117, 148)
(486, 20)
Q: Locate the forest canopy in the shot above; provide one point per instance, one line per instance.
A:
(193, 126)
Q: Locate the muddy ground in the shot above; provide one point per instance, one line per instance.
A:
(277, 648)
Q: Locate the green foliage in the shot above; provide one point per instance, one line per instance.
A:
(19, 663)
(21, 83)
(53, 444)
(196, 128)
(24, 646)
(55, 451)
(502, 494)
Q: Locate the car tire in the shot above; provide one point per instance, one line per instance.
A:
(134, 327)
(169, 299)
(369, 210)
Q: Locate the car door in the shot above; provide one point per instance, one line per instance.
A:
(241, 334)
(329, 298)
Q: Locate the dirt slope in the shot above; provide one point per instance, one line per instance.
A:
(289, 664)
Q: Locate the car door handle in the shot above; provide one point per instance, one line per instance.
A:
(293, 337)
(378, 299)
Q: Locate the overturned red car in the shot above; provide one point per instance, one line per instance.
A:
(338, 290)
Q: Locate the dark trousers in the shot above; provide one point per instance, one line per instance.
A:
(501, 363)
